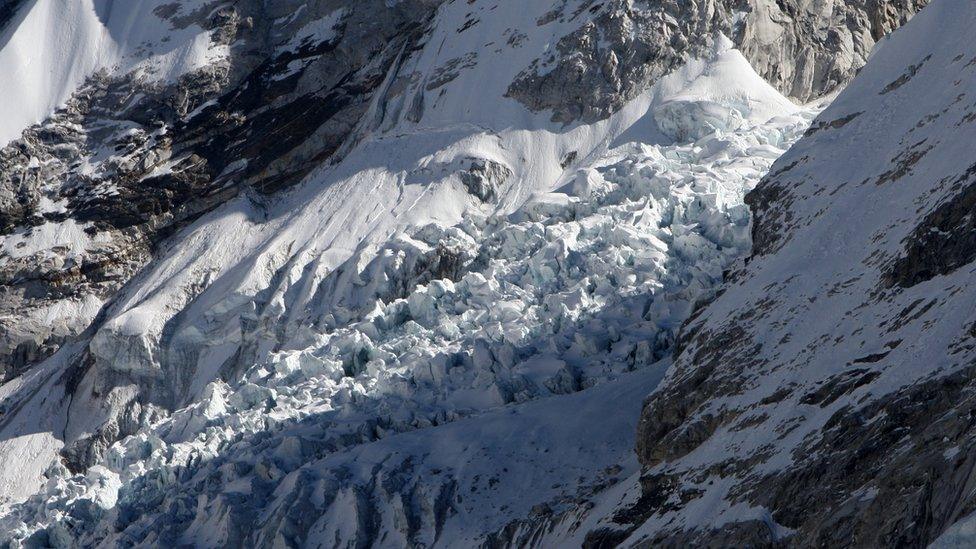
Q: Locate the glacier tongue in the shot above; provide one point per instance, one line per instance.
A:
(577, 289)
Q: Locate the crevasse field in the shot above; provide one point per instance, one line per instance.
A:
(570, 302)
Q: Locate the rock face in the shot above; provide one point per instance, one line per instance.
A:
(806, 48)
(8, 8)
(824, 398)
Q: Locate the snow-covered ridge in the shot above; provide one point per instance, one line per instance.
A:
(352, 234)
(50, 47)
(577, 287)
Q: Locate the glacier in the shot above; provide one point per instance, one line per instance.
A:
(470, 334)
(380, 273)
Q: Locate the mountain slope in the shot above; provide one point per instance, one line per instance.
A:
(147, 140)
(824, 397)
(576, 291)
(341, 226)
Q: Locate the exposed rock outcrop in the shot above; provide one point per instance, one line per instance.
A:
(803, 47)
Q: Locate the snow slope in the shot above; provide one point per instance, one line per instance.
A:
(496, 259)
(50, 47)
(822, 398)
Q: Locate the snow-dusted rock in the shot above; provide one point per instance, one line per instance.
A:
(823, 399)
(568, 293)
(805, 48)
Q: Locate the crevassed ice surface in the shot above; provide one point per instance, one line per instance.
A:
(566, 307)
(259, 273)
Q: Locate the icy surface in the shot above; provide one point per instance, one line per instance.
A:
(579, 289)
(717, 98)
